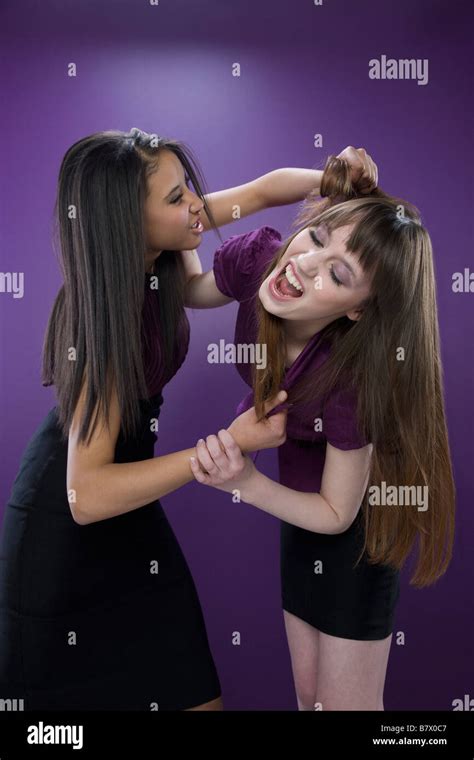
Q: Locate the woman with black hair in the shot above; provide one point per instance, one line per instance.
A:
(98, 608)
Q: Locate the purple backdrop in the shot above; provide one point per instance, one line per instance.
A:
(304, 70)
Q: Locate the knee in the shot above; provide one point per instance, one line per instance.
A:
(305, 694)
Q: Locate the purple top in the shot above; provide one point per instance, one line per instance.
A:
(155, 375)
(239, 265)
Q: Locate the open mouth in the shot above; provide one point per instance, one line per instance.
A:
(197, 226)
(287, 284)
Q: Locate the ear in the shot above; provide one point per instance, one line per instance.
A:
(355, 314)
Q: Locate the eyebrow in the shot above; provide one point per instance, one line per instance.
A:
(328, 233)
(177, 187)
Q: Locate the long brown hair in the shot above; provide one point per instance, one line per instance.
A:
(400, 403)
(96, 317)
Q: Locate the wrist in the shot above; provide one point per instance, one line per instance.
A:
(243, 445)
(250, 486)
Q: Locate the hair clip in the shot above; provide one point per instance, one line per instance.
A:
(135, 133)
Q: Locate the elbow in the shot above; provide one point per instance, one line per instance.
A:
(80, 518)
(78, 512)
(344, 523)
(341, 526)
(342, 517)
(79, 515)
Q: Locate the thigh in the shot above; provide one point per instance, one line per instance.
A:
(351, 673)
(215, 704)
(303, 645)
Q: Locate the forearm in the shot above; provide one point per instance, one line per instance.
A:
(276, 188)
(309, 511)
(116, 488)
(288, 185)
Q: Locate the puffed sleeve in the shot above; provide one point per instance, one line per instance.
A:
(242, 259)
(339, 418)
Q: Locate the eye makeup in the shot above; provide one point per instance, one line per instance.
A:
(317, 242)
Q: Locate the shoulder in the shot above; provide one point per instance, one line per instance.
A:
(241, 260)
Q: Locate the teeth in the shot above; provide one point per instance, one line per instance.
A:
(292, 279)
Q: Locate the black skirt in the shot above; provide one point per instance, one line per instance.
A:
(102, 616)
(322, 585)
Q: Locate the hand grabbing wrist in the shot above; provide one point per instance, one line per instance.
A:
(239, 439)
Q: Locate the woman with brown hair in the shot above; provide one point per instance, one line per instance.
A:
(98, 607)
(347, 311)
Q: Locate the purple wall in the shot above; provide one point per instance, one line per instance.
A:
(167, 69)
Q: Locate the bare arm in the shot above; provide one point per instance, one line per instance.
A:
(330, 511)
(333, 509)
(276, 188)
(98, 488)
(201, 289)
(284, 186)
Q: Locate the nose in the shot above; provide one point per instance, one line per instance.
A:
(308, 263)
(196, 204)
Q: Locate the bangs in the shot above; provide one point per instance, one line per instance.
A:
(374, 223)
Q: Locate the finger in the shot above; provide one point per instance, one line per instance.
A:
(365, 175)
(233, 452)
(278, 423)
(199, 475)
(217, 452)
(280, 417)
(280, 397)
(205, 458)
(371, 173)
(375, 172)
(369, 178)
(358, 165)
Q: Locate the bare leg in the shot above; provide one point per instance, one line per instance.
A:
(216, 704)
(351, 673)
(303, 642)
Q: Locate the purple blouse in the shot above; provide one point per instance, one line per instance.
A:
(155, 375)
(239, 265)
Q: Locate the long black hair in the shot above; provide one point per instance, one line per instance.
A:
(94, 330)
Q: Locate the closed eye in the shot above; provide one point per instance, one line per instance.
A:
(319, 244)
(176, 200)
(315, 239)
